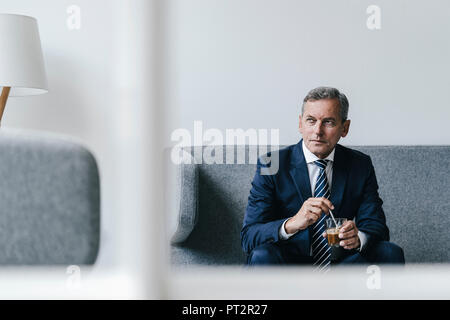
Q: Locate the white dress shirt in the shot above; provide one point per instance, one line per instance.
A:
(313, 171)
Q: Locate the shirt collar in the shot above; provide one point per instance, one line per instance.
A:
(311, 157)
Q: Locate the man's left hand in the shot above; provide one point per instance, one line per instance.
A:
(348, 235)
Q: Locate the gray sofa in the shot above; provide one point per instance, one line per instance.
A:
(49, 200)
(414, 183)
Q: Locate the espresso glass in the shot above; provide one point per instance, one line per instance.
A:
(332, 230)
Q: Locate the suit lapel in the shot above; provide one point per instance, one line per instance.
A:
(299, 172)
(340, 173)
(300, 175)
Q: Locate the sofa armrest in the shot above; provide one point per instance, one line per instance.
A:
(187, 202)
(49, 200)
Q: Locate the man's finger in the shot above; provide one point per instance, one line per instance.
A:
(347, 234)
(324, 207)
(324, 201)
(349, 242)
(321, 207)
(315, 210)
(329, 203)
(347, 226)
(352, 246)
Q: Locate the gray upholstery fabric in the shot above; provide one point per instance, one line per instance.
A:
(49, 200)
(187, 197)
(414, 184)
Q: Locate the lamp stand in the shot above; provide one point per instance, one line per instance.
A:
(3, 99)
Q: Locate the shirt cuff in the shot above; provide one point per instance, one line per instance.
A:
(362, 240)
(283, 235)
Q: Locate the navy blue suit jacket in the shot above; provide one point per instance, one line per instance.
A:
(274, 198)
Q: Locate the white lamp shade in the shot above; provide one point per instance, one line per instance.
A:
(21, 61)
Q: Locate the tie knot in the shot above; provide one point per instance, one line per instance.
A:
(322, 164)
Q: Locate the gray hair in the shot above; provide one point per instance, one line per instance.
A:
(328, 93)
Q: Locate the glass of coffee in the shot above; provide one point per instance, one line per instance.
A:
(333, 227)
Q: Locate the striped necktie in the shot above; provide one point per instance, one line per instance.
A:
(320, 249)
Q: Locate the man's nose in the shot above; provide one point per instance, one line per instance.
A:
(318, 128)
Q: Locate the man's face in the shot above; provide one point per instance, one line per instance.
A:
(321, 126)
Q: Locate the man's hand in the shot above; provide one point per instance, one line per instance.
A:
(309, 213)
(348, 235)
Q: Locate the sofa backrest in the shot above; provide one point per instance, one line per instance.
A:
(414, 183)
(49, 200)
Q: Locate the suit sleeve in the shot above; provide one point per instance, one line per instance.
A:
(370, 218)
(261, 222)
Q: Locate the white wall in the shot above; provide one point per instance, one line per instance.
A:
(231, 64)
(79, 65)
(101, 80)
(249, 64)
(244, 64)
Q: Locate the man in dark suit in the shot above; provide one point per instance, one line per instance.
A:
(285, 217)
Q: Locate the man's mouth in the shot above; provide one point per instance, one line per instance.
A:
(318, 141)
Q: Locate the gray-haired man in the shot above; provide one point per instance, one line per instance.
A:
(286, 211)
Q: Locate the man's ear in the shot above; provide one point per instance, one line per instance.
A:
(346, 128)
(300, 128)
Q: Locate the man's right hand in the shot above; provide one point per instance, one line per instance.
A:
(309, 213)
